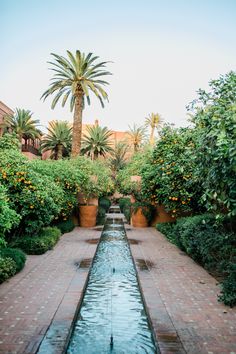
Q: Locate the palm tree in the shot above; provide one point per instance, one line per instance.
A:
(22, 123)
(118, 156)
(154, 120)
(58, 139)
(136, 136)
(96, 142)
(75, 77)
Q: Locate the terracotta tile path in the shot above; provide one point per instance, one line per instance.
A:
(46, 291)
(191, 320)
(180, 295)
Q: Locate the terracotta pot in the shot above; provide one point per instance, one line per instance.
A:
(82, 199)
(138, 219)
(161, 216)
(87, 215)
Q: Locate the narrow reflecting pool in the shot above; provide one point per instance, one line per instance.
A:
(112, 317)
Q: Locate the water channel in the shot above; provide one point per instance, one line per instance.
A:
(112, 317)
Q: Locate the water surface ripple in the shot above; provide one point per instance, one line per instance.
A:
(112, 304)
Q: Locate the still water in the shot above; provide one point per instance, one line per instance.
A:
(112, 317)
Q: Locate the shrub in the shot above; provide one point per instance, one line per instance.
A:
(213, 114)
(17, 255)
(65, 226)
(105, 203)
(8, 217)
(228, 292)
(167, 228)
(7, 268)
(138, 162)
(101, 215)
(10, 141)
(68, 178)
(127, 212)
(210, 244)
(35, 197)
(168, 177)
(123, 202)
(39, 244)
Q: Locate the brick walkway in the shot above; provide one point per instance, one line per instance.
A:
(180, 295)
(182, 298)
(45, 291)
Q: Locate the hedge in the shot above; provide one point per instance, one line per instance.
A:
(39, 244)
(210, 244)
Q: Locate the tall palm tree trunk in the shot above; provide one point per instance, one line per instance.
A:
(77, 125)
(151, 140)
(59, 151)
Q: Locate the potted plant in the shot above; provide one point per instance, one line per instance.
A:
(88, 204)
(141, 213)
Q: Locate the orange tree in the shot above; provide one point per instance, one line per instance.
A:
(36, 198)
(68, 177)
(214, 115)
(8, 216)
(79, 175)
(169, 178)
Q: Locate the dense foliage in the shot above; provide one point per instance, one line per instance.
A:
(11, 261)
(7, 268)
(44, 241)
(10, 141)
(8, 216)
(36, 198)
(124, 182)
(65, 226)
(169, 176)
(17, 255)
(208, 243)
(214, 115)
(104, 204)
(125, 207)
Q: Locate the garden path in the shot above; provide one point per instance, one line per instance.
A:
(181, 297)
(46, 291)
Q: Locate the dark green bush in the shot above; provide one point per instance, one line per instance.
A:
(125, 207)
(124, 202)
(101, 215)
(210, 244)
(39, 244)
(7, 268)
(167, 228)
(127, 212)
(105, 203)
(18, 256)
(65, 226)
(228, 292)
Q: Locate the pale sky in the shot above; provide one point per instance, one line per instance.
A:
(162, 52)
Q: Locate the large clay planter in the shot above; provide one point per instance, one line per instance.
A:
(138, 219)
(82, 199)
(87, 215)
(161, 216)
